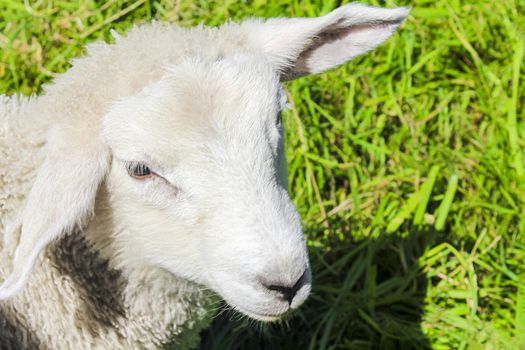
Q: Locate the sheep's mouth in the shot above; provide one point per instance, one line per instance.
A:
(262, 317)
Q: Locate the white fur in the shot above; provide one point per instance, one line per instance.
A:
(199, 106)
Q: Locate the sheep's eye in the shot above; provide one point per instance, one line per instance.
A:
(138, 170)
(279, 120)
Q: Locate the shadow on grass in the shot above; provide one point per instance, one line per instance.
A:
(367, 294)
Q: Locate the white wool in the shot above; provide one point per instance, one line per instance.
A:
(199, 107)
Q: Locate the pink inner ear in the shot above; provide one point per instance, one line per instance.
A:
(340, 42)
(330, 35)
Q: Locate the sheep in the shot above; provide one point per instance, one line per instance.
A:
(149, 178)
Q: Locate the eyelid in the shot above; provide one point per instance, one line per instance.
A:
(153, 173)
(133, 166)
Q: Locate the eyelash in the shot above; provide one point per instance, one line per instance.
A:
(139, 170)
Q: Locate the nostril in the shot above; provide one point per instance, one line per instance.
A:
(288, 292)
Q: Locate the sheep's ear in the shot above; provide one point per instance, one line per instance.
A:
(63, 194)
(301, 46)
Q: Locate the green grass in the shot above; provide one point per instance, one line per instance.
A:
(407, 166)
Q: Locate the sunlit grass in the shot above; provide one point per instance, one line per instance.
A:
(407, 166)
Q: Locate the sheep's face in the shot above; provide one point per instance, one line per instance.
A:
(195, 183)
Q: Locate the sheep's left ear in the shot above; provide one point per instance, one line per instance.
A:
(62, 196)
(301, 46)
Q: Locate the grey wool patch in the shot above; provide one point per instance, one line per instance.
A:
(15, 336)
(100, 287)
